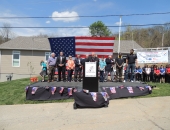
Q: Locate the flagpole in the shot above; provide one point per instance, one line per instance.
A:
(119, 34)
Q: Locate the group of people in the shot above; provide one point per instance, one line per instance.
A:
(106, 66)
(62, 65)
(153, 73)
(76, 65)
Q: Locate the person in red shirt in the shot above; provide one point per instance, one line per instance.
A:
(168, 74)
(157, 74)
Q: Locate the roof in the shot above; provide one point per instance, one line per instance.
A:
(27, 43)
(37, 43)
(125, 46)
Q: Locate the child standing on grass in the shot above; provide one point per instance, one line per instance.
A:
(162, 76)
(43, 72)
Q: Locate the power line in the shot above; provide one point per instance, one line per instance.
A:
(111, 15)
(43, 2)
(88, 27)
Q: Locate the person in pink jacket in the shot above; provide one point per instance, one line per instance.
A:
(70, 68)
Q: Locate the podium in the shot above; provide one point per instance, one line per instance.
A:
(90, 76)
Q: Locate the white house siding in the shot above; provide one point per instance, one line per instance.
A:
(25, 56)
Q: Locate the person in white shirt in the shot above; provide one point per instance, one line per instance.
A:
(148, 71)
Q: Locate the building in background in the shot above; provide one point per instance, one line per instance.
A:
(17, 55)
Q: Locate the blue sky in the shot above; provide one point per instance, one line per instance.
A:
(67, 8)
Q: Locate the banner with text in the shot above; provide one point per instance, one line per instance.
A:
(156, 56)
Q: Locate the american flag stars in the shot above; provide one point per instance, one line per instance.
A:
(65, 44)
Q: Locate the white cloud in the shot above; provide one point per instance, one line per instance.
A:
(118, 23)
(37, 31)
(73, 16)
(47, 22)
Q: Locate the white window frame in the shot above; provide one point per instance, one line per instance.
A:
(49, 53)
(15, 52)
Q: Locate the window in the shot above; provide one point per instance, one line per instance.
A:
(47, 55)
(16, 59)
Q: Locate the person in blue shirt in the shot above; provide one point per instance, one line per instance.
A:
(139, 73)
(43, 72)
(102, 65)
(162, 76)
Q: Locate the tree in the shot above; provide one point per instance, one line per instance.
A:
(30, 69)
(41, 35)
(99, 29)
(5, 32)
(148, 37)
(1, 40)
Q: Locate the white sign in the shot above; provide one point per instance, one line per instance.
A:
(90, 69)
(156, 56)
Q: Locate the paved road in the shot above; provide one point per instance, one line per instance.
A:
(122, 114)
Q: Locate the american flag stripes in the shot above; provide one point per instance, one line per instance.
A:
(61, 89)
(130, 89)
(105, 95)
(102, 46)
(53, 89)
(149, 87)
(113, 89)
(142, 88)
(70, 91)
(94, 95)
(34, 89)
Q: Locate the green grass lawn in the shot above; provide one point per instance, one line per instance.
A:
(162, 89)
(13, 92)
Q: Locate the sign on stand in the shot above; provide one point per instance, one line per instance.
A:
(154, 56)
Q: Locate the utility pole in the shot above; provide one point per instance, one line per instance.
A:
(163, 39)
(132, 40)
(119, 33)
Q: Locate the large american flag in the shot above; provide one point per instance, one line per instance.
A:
(102, 46)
